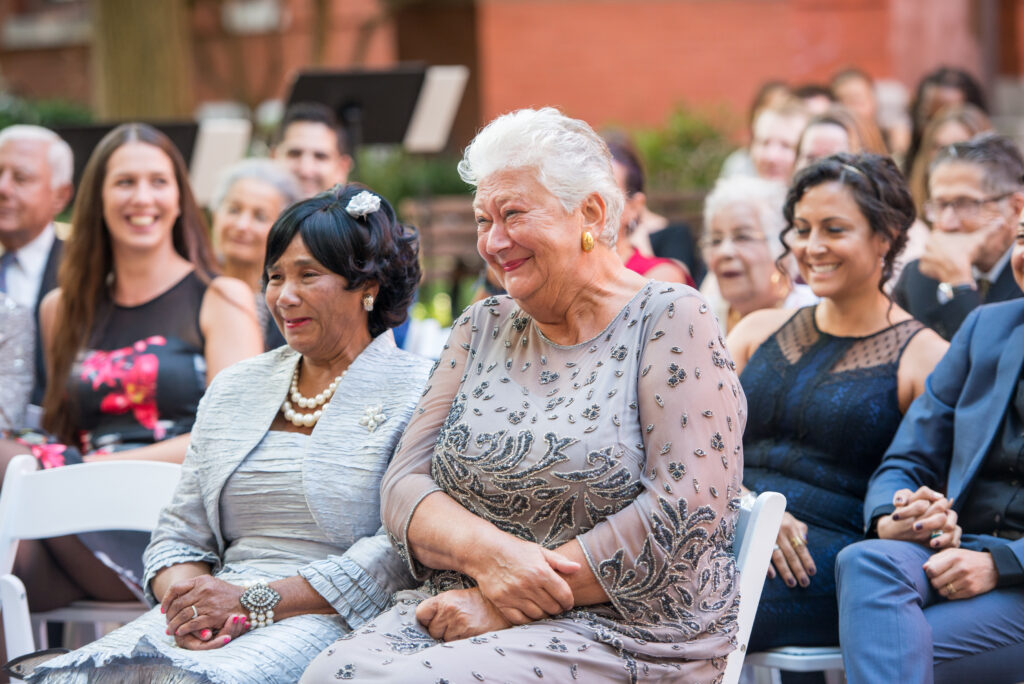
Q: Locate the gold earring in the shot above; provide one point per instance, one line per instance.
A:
(368, 302)
(588, 241)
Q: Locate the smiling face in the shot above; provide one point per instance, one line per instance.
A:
(525, 235)
(317, 315)
(837, 252)
(820, 141)
(243, 219)
(140, 197)
(310, 151)
(739, 256)
(28, 200)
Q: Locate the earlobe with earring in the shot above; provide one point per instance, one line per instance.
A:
(368, 302)
(588, 241)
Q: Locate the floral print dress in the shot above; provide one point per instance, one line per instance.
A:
(630, 442)
(139, 381)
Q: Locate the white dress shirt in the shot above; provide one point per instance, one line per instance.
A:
(25, 276)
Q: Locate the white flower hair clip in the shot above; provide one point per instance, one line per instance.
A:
(363, 204)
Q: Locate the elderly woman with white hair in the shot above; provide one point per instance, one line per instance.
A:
(741, 246)
(567, 488)
(249, 197)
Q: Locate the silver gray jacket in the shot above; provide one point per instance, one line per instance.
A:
(342, 465)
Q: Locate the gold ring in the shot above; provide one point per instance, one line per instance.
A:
(195, 613)
(950, 589)
(796, 541)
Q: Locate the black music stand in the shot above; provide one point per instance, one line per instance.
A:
(411, 104)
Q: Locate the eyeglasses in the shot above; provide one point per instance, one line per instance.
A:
(739, 240)
(966, 208)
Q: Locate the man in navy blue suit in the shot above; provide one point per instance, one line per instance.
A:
(939, 596)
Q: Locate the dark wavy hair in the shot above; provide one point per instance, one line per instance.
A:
(375, 248)
(879, 190)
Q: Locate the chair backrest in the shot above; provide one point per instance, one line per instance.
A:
(756, 532)
(112, 495)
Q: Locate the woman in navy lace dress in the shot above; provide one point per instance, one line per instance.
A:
(828, 384)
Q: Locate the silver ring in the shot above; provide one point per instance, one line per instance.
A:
(195, 613)
(775, 548)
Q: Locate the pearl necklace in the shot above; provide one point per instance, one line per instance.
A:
(320, 402)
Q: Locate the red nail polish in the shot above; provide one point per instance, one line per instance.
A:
(234, 620)
(207, 633)
(167, 631)
(162, 610)
(227, 639)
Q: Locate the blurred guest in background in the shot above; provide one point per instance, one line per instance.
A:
(940, 88)
(836, 130)
(827, 384)
(951, 124)
(135, 331)
(743, 223)
(248, 199)
(777, 132)
(770, 94)
(629, 176)
(855, 90)
(975, 197)
(817, 98)
(314, 146)
(35, 186)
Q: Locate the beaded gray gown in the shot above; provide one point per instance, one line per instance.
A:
(259, 504)
(630, 442)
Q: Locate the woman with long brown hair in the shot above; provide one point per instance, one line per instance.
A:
(137, 328)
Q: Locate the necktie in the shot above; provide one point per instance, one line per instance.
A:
(984, 285)
(6, 259)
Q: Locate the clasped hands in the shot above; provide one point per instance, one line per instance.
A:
(927, 517)
(218, 616)
(520, 583)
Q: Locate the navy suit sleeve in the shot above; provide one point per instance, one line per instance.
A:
(921, 451)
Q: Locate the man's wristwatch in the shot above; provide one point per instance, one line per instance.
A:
(949, 290)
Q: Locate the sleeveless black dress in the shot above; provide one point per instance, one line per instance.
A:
(822, 410)
(139, 382)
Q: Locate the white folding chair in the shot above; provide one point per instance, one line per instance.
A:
(768, 664)
(756, 531)
(38, 504)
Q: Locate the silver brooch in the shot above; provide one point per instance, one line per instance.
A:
(373, 416)
(363, 204)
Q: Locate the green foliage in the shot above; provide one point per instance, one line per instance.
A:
(49, 113)
(396, 174)
(687, 152)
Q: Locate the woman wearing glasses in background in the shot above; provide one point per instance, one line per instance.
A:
(827, 385)
(742, 223)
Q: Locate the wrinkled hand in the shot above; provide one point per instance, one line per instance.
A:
(947, 257)
(459, 614)
(521, 580)
(207, 639)
(961, 574)
(215, 601)
(917, 515)
(792, 561)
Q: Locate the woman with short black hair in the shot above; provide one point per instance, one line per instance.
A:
(269, 550)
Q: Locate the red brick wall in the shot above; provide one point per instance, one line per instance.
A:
(612, 61)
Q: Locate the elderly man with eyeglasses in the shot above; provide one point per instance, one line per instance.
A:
(975, 198)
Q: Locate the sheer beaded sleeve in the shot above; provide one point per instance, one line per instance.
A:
(666, 560)
(408, 480)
